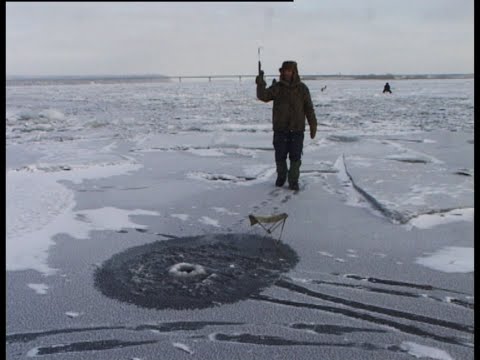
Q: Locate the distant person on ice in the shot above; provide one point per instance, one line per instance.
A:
(291, 104)
(386, 88)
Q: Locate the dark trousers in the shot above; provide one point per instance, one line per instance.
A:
(288, 143)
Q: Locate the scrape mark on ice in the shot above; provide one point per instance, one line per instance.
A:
(427, 221)
(360, 161)
(450, 259)
(240, 152)
(183, 217)
(222, 210)
(408, 158)
(72, 314)
(40, 289)
(422, 351)
(227, 178)
(182, 347)
(256, 170)
(324, 253)
(209, 221)
(217, 177)
(343, 138)
(206, 152)
(32, 352)
(406, 153)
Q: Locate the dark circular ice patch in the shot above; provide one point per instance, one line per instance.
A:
(195, 272)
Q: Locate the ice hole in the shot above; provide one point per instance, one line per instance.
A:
(186, 269)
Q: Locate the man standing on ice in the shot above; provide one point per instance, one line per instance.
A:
(291, 104)
(386, 88)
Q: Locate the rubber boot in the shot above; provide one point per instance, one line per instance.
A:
(281, 173)
(294, 174)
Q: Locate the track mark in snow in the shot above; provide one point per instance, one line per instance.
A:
(406, 328)
(85, 346)
(182, 347)
(373, 308)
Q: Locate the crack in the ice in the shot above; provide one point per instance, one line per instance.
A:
(279, 341)
(455, 301)
(188, 148)
(399, 283)
(358, 305)
(161, 327)
(409, 329)
(394, 216)
(366, 288)
(30, 336)
(86, 346)
(184, 325)
(333, 329)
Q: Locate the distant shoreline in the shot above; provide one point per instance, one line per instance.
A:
(389, 77)
(105, 79)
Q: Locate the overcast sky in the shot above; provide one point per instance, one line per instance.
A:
(195, 38)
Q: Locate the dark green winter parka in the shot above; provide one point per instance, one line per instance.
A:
(291, 104)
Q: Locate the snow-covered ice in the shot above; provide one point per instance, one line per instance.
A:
(39, 288)
(450, 259)
(422, 351)
(382, 225)
(183, 347)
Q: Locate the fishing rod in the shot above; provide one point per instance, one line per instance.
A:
(260, 72)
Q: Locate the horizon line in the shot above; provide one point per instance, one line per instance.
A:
(145, 75)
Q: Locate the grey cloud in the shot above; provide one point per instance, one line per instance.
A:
(190, 38)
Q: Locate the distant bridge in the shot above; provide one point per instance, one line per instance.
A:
(240, 77)
(210, 77)
(338, 76)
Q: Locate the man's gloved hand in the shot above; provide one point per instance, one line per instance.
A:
(313, 131)
(259, 79)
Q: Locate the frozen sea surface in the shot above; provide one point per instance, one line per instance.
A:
(382, 224)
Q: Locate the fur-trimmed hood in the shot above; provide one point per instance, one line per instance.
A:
(290, 64)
